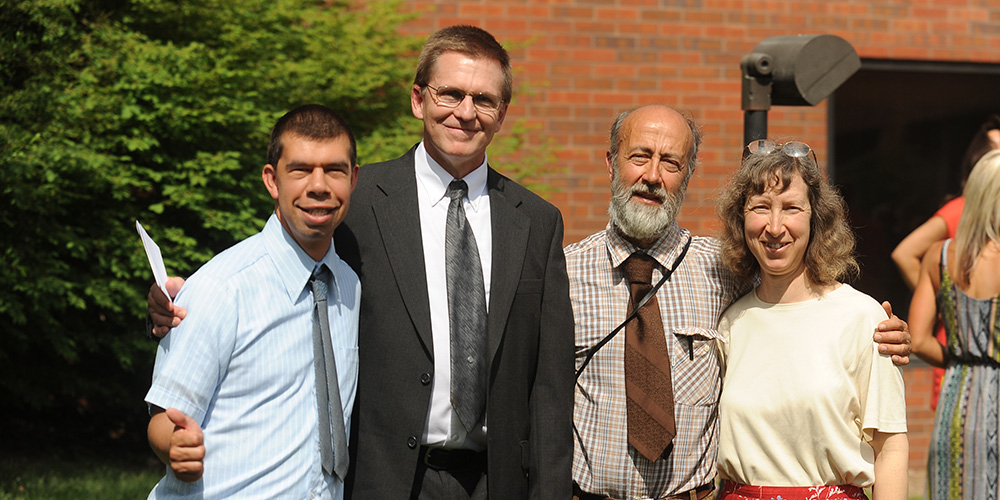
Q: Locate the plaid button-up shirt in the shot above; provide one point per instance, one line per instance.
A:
(691, 302)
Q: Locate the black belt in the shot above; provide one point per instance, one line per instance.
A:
(450, 459)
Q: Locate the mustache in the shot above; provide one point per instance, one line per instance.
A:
(657, 192)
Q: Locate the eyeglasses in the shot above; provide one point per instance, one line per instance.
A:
(451, 97)
(794, 149)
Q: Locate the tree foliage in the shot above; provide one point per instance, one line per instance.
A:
(156, 110)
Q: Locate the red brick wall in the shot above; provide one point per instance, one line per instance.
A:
(585, 61)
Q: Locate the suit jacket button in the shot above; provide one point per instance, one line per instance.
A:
(425, 378)
(411, 442)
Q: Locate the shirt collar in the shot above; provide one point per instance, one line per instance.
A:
(294, 265)
(433, 179)
(664, 250)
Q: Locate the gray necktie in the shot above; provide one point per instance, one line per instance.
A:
(466, 312)
(333, 451)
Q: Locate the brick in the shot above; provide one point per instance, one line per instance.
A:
(915, 25)
(680, 30)
(679, 85)
(981, 15)
(549, 26)
(568, 97)
(594, 84)
(661, 15)
(500, 24)
(725, 31)
(473, 9)
(658, 43)
(616, 70)
(543, 54)
(571, 41)
(699, 100)
(703, 17)
(890, 12)
(638, 29)
(528, 11)
(618, 14)
(701, 44)
(725, 5)
(700, 73)
(533, 66)
(666, 98)
(573, 69)
(723, 87)
(637, 57)
(594, 55)
(986, 29)
(614, 98)
(573, 12)
(869, 24)
(636, 85)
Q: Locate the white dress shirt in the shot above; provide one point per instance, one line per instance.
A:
(241, 365)
(443, 427)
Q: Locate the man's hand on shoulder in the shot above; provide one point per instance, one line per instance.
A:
(893, 337)
(163, 314)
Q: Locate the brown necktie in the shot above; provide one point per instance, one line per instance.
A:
(650, 397)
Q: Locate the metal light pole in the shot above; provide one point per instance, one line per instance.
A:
(795, 70)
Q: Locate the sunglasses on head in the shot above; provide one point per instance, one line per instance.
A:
(793, 149)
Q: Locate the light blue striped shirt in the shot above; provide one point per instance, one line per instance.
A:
(241, 364)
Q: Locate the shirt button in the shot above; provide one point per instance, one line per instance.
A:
(425, 378)
(411, 441)
(470, 360)
(454, 437)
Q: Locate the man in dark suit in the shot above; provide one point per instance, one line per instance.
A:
(507, 434)
(410, 442)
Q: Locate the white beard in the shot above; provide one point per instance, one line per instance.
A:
(640, 221)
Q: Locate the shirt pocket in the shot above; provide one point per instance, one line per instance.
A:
(694, 366)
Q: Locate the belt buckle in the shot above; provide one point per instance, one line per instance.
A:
(427, 458)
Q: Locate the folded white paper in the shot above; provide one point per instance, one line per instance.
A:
(155, 259)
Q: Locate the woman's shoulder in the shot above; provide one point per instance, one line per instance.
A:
(858, 300)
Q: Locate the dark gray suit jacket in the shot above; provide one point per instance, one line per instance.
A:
(529, 329)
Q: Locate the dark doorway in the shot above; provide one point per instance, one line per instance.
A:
(899, 131)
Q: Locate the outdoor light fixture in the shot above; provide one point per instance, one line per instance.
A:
(795, 70)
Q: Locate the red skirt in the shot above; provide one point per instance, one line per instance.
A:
(736, 491)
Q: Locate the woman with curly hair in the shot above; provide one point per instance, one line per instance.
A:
(809, 408)
(960, 278)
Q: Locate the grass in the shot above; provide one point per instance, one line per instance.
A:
(63, 479)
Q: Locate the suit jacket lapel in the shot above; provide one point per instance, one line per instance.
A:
(398, 223)
(510, 240)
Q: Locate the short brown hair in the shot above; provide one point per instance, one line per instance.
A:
(470, 41)
(830, 254)
(312, 121)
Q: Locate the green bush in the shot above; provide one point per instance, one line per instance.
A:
(156, 110)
